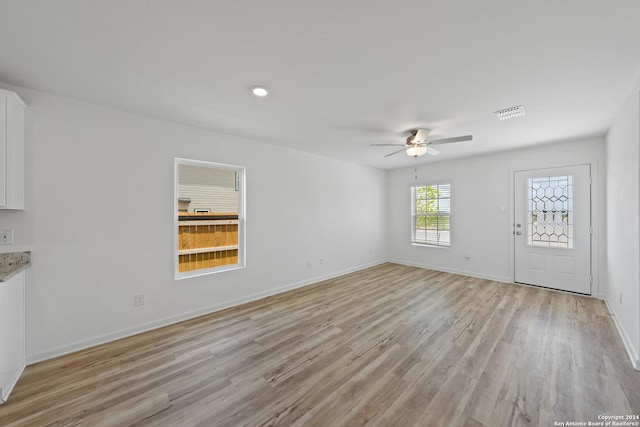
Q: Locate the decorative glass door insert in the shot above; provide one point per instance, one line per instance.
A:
(550, 211)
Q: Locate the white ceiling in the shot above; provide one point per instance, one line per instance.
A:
(343, 74)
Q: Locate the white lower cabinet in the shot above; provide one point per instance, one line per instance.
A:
(12, 333)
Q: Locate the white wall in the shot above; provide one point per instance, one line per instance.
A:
(99, 222)
(480, 186)
(623, 223)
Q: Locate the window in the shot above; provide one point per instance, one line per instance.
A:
(431, 215)
(209, 217)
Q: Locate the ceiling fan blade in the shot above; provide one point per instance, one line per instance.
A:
(387, 145)
(432, 151)
(454, 139)
(395, 152)
(421, 135)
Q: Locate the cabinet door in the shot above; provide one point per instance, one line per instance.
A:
(12, 333)
(11, 151)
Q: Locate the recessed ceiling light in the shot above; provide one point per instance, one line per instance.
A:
(259, 91)
(510, 113)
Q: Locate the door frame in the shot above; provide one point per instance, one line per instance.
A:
(597, 218)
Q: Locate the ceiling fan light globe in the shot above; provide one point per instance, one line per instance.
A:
(416, 151)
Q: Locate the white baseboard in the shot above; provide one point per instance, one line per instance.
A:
(145, 327)
(628, 345)
(453, 271)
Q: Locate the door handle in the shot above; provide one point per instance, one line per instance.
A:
(518, 225)
(518, 232)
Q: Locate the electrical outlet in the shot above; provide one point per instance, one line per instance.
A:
(6, 237)
(308, 264)
(138, 299)
(620, 297)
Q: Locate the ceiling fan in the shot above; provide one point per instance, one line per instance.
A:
(417, 143)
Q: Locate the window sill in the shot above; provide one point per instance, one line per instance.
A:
(427, 245)
(208, 271)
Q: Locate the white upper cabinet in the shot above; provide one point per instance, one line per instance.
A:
(11, 150)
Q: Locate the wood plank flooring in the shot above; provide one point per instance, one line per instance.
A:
(388, 346)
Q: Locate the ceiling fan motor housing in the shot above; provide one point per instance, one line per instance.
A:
(418, 136)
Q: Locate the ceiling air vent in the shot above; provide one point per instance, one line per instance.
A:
(510, 113)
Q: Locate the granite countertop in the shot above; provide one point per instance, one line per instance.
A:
(11, 263)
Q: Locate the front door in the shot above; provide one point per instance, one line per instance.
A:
(552, 228)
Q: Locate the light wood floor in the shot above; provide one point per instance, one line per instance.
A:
(390, 345)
